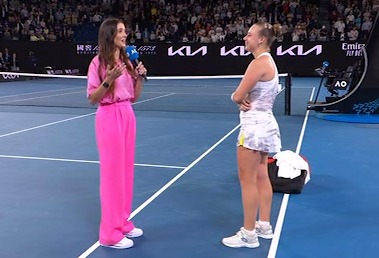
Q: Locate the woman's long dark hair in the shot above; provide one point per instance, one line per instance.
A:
(107, 33)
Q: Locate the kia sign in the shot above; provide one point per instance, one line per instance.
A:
(185, 59)
(299, 59)
(11, 77)
(188, 51)
(234, 51)
(299, 50)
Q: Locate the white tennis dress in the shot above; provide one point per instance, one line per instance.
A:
(259, 129)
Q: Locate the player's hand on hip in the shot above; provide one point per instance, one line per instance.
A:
(244, 105)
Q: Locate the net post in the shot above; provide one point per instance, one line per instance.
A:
(287, 95)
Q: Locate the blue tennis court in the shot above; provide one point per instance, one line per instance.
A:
(186, 193)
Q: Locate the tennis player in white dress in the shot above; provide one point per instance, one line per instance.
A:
(259, 135)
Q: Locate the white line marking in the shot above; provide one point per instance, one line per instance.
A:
(46, 75)
(44, 125)
(160, 166)
(156, 194)
(150, 77)
(283, 208)
(75, 92)
(73, 118)
(166, 95)
(41, 97)
(37, 92)
(83, 161)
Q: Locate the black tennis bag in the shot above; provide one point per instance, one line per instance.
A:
(285, 185)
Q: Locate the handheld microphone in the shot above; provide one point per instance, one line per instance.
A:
(325, 64)
(133, 55)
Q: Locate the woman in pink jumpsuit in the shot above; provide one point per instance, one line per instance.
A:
(114, 84)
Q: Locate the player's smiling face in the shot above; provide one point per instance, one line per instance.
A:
(120, 38)
(253, 38)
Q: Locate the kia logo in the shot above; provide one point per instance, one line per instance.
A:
(10, 76)
(298, 50)
(235, 51)
(187, 51)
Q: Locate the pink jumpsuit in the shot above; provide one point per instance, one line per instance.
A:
(115, 137)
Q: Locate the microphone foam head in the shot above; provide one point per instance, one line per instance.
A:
(132, 53)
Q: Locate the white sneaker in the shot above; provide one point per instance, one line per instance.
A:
(241, 239)
(264, 232)
(123, 244)
(135, 232)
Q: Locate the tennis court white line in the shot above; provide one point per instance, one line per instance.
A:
(193, 94)
(45, 125)
(72, 118)
(156, 194)
(83, 161)
(150, 77)
(146, 100)
(41, 97)
(37, 92)
(74, 92)
(283, 207)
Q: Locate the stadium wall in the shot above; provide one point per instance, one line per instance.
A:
(166, 59)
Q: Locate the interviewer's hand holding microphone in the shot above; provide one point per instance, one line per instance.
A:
(133, 55)
(140, 69)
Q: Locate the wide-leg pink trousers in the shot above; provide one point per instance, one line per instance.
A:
(115, 136)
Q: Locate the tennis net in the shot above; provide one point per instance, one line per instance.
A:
(209, 94)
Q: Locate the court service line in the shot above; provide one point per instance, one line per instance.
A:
(172, 181)
(283, 208)
(83, 161)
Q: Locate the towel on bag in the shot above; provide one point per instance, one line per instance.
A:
(291, 164)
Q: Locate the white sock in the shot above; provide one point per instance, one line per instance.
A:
(249, 232)
(264, 224)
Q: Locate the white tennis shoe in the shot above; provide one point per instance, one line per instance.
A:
(135, 232)
(241, 239)
(122, 244)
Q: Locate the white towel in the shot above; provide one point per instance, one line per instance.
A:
(290, 165)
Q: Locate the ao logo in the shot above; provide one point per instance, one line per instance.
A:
(340, 84)
(10, 76)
